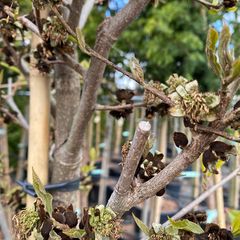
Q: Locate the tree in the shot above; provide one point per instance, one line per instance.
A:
(206, 114)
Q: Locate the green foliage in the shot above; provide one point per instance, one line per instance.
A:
(234, 216)
(41, 193)
(187, 226)
(74, 233)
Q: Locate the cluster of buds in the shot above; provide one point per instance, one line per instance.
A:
(43, 54)
(54, 33)
(193, 104)
(217, 151)
(151, 99)
(100, 221)
(40, 4)
(7, 26)
(124, 96)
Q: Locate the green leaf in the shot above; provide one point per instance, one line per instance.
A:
(81, 41)
(54, 236)
(41, 192)
(141, 225)
(136, 69)
(224, 56)
(212, 39)
(74, 232)
(235, 70)
(11, 68)
(186, 225)
(234, 216)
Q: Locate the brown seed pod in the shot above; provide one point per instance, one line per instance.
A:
(124, 95)
(71, 219)
(229, 3)
(59, 217)
(121, 113)
(46, 228)
(209, 160)
(187, 122)
(180, 139)
(161, 192)
(219, 146)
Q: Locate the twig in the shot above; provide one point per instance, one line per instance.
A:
(26, 22)
(209, 5)
(72, 63)
(199, 128)
(133, 157)
(203, 196)
(232, 116)
(93, 53)
(10, 101)
(118, 107)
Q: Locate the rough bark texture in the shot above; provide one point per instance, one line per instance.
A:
(67, 167)
(67, 85)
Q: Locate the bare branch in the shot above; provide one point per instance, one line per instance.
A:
(232, 116)
(199, 128)
(118, 107)
(108, 33)
(94, 53)
(87, 8)
(72, 63)
(203, 196)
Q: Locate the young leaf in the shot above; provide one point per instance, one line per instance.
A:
(41, 192)
(74, 233)
(212, 39)
(136, 69)
(186, 225)
(234, 216)
(81, 41)
(141, 225)
(225, 58)
(235, 70)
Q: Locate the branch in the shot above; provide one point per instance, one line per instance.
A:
(199, 128)
(133, 157)
(108, 33)
(203, 196)
(118, 107)
(26, 22)
(94, 53)
(232, 116)
(72, 63)
(10, 101)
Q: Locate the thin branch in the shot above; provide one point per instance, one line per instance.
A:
(133, 157)
(199, 128)
(210, 5)
(94, 53)
(232, 116)
(108, 33)
(203, 196)
(10, 101)
(118, 107)
(72, 63)
(26, 22)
